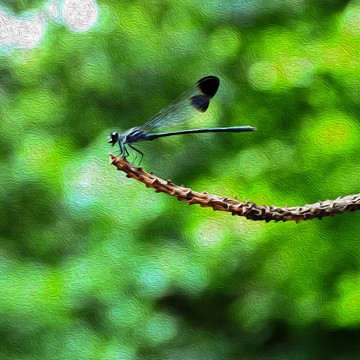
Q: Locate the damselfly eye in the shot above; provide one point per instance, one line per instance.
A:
(191, 103)
(113, 138)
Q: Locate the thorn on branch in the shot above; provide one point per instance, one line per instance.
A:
(249, 210)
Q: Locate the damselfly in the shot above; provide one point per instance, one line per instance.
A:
(192, 102)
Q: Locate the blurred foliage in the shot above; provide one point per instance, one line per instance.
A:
(19, 6)
(96, 266)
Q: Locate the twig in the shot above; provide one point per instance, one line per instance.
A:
(249, 210)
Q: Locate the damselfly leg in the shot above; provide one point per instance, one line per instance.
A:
(191, 104)
(133, 149)
(125, 150)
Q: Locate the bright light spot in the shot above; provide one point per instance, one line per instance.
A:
(154, 280)
(299, 72)
(225, 42)
(262, 75)
(119, 352)
(252, 162)
(52, 9)
(330, 133)
(160, 328)
(209, 234)
(20, 33)
(351, 21)
(82, 188)
(125, 312)
(79, 15)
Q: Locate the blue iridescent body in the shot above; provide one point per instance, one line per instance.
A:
(194, 101)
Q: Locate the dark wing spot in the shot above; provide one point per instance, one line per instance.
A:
(209, 85)
(200, 102)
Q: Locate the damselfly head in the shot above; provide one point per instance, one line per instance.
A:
(113, 138)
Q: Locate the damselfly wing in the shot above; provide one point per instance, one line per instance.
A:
(188, 106)
(192, 103)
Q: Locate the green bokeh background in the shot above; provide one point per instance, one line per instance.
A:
(96, 266)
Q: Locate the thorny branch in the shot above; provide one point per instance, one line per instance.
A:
(249, 210)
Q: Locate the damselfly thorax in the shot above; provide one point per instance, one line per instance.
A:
(189, 105)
